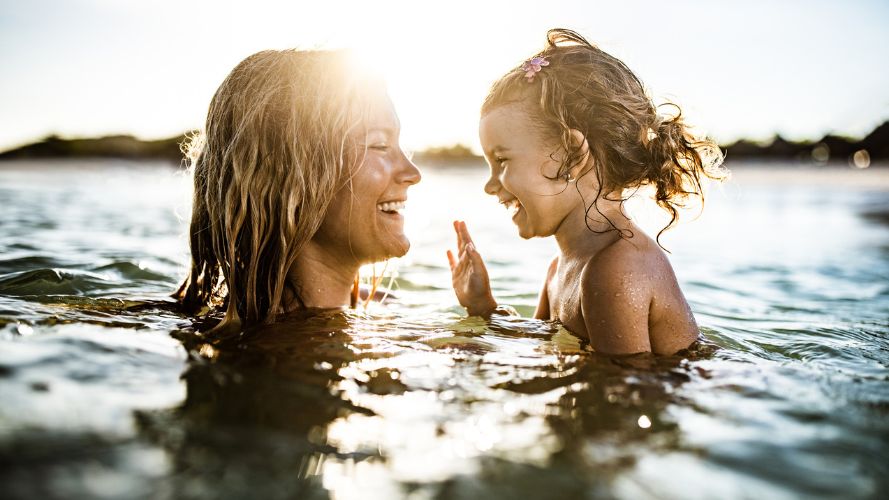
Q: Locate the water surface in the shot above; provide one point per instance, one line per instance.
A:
(106, 391)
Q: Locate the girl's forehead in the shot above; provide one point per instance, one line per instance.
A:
(510, 120)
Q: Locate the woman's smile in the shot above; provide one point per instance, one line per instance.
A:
(391, 207)
(391, 210)
(370, 207)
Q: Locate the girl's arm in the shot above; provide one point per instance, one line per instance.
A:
(615, 300)
(542, 311)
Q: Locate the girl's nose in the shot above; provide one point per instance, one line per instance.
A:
(493, 185)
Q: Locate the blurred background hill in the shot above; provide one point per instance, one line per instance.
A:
(860, 152)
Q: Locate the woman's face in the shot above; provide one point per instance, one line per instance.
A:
(364, 221)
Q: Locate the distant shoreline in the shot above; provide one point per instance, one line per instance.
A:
(872, 149)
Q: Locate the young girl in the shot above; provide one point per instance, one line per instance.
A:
(566, 135)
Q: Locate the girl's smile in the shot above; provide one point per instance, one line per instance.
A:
(524, 172)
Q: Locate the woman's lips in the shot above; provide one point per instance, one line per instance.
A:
(391, 210)
(394, 216)
(390, 206)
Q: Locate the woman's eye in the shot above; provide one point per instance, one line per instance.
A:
(501, 162)
(380, 147)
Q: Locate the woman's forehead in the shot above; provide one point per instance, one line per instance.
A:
(381, 116)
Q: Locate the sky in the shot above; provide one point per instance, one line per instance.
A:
(82, 68)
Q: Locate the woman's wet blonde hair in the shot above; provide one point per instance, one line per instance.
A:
(276, 147)
(586, 89)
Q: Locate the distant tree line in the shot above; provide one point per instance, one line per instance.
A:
(873, 147)
(113, 146)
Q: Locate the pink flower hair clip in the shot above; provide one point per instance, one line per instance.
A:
(532, 66)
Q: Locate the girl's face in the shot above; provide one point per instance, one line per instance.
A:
(364, 220)
(520, 162)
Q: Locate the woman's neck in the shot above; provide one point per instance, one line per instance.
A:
(584, 233)
(322, 279)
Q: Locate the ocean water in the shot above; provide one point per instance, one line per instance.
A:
(107, 392)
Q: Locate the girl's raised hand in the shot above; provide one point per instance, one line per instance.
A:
(470, 276)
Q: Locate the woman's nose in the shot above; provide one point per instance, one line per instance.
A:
(408, 173)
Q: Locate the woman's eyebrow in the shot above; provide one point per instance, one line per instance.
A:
(389, 131)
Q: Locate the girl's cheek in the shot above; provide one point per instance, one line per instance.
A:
(508, 179)
(507, 184)
(515, 183)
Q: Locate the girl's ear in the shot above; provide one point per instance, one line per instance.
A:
(579, 141)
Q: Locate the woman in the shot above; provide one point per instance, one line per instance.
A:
(299, 180)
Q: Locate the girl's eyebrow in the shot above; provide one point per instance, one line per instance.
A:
(497, 149)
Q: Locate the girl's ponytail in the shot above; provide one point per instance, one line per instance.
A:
(678, 160)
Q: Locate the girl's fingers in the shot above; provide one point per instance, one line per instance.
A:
(452, 260)
(459, 235)
(465, 232)
(475, 257)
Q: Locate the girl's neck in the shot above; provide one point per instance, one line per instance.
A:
(323, 279)
(582, 234)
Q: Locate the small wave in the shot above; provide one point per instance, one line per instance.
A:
(51, 282)
(880, 216)
(31, 261)
(130, 271)
(66, 281)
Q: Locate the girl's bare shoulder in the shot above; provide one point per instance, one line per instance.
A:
(628, 259)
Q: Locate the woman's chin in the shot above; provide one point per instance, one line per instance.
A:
(400, 248)
(393, 248)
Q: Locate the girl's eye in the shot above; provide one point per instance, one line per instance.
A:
(501, 161)
(380, 147)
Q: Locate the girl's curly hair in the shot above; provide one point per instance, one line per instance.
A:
(586, 89)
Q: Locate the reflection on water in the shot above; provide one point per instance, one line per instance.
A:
(344, 400)
(108, 392)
